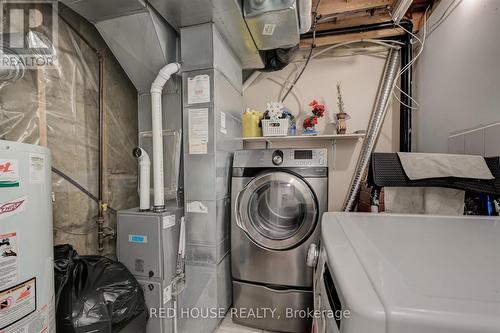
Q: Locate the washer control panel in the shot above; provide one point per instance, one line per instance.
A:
(281, 158)
(307, 157)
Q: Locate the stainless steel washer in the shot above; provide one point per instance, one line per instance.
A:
(278, 198)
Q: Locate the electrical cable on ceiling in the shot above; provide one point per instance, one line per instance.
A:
(410, 64)
(447, 12)
(313, 45)
(374, 41)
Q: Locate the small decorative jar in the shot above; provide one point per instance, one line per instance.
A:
(341, 122)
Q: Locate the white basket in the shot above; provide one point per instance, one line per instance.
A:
(275, 127)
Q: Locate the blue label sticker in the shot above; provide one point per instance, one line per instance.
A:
(137, 239)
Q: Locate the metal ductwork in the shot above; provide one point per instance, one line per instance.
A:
(138, 33)
(141, 40)
(225, 14)
(273, 24)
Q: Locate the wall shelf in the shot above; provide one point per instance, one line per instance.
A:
(333, 137)
(269, 140)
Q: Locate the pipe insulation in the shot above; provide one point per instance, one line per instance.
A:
(374, 126)
(157, 128)
(144, 178)
(305, 15)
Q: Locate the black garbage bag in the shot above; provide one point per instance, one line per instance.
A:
(94, 293)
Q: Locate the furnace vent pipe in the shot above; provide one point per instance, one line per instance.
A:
(305, 15)
(374, 126)
(144, 178)
(157, 122)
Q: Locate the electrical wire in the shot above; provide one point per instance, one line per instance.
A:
(287, 80)
(295, 93)
(300, 74)
(78, 186)
(410, 64)
(73, 232)
(451, 7)
(374, 41)
(385, 43)
(313, 45)
(447, 12)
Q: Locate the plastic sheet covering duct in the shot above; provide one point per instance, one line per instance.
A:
(374, 126)
(58, 108)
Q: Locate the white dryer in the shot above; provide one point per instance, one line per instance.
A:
(383, 273)
(278, 198)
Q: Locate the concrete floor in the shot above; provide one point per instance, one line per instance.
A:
(227, 326)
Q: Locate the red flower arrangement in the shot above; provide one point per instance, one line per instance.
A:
(318, 111)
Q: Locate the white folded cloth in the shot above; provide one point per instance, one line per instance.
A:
(424, 165)
(424, 200)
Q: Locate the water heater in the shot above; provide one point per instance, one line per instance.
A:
(26, 245)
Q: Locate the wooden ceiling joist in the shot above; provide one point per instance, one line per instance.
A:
(334, 7)
(353, 21)
(335, 39)
(342, 14)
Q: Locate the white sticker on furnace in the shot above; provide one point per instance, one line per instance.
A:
(168, 221)
(198, 89)
(17, 303)
(198, 131)
(8, 259)
(37, 169)
(268, 29)
(223, 129)
(12, 207)
(9, 173)
(196, 207)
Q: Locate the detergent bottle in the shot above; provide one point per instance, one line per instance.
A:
(251, 123)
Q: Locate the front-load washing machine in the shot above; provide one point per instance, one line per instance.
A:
(278, 198)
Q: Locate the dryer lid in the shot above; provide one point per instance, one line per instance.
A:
(277, 210)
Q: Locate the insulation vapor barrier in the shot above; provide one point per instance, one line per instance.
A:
(59, 108)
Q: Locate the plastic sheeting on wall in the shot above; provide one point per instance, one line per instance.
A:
(59, 107)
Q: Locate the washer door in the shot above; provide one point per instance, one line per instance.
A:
(277, 210)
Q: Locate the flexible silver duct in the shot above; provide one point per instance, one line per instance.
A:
(374, 126)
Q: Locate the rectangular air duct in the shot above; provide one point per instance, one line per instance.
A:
(273, 24)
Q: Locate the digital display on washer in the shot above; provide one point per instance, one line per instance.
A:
(303, 155)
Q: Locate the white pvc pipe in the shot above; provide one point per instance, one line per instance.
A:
(156, 114)
(305, 15)
(144, 178)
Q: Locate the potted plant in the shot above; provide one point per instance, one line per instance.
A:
(341, 117)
